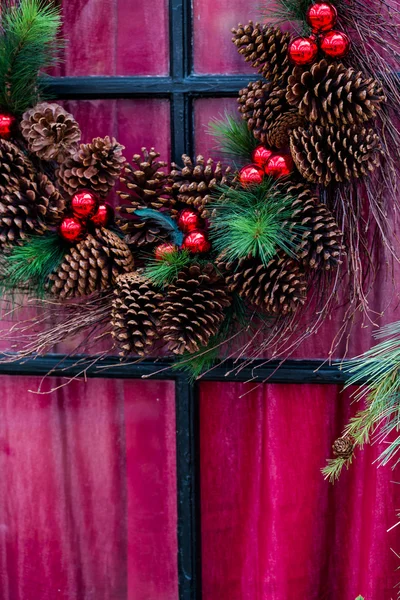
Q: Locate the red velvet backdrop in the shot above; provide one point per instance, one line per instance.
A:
(88, 473)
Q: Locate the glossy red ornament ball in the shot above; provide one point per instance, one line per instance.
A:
(196, 242)
(335, 44)
(162, 250)
(6, 125)
(72, 229)
(321, 16)
(279, 165)
(303, 50)
(103, 215)
(189, 220)
(251, 175)
(261, 155)
(84, 204)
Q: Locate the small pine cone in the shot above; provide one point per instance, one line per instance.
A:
(51, 132)
(193, 308)
(96, 166)
(30, 208)
(337, 154)
(343, 447)
(266, 48)
(278, 288)
(14, 167)
(135, 314)
(324, 248)
(260, 105)
(91, 266)
(330, 93)
(279, 130)
(193, 184)
(143, 234)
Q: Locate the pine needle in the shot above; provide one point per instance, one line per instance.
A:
(164, 271)
(233, 137)
(254, 221)
(284, 11)
(28, 267)
(28, 45)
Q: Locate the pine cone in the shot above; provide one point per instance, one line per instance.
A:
(343, 447)
(193, 308)
(193, 184)
(96, 166)
(51, 132)
(143, 234)
(29, 208)
(261, 104)
(92, 265)
(266, 48)
(135, 314)
(14, 167)
(279, 130)
(337, 154)
(278, 288)
(330, 93)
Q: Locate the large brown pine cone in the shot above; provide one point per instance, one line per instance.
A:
(194, 183)
(278, 288)
(30, 208)
(266, 48)
(96, 166)
(279, 129)
(330, 93)
(51, 132)
(325, 154)
(260, 105)
(193, 308)
(135, 314)
(91, 266)
(14, 166)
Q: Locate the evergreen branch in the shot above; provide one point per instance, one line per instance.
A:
(283, 11)
(164, 271)
(233, 137)
(334, 468)
(28, 45)
(164, 221)
(253, 221)
(28, 267)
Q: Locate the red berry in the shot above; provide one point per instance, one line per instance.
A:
(251, 175)
(279, 165)
(302, 51)
(84, 204)
(189, 220)
(261, 155)
(6, 125)
(103, 216)
(335, 44)
(321, 16)
(196, 242)
(162, 250)
(72, 229)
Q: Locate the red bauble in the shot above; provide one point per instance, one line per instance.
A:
(251, 175)
(196, 242)
(162, 250)
(103, 215)
(279, 165)
(303, 50)
(72, 229)
(6, 125)
(335, 44)
(321, 16)
(261, 156)
(189, 220)
(84, 204)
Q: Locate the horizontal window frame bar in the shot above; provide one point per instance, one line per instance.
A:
(274, 371)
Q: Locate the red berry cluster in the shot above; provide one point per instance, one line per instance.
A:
(321, 17)
(85, 208)
(266, 162)
(195, 240)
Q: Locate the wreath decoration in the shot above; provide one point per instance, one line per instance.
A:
(206, 260)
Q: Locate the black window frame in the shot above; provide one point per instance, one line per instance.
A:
(182, 87)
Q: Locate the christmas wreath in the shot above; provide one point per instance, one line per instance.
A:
(206, 260)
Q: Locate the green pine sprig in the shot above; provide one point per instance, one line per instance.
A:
(253, 221)
(164, 271)
(233, 137)
(27, 268)
(284, 11)
(28, 44)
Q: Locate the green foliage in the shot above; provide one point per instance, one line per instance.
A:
(283, 11)
(27, 267)
(162, 272)
(334, 468)
(377, 371)
(255, 220)
(233, 137)
(28, 44)
(360, 598)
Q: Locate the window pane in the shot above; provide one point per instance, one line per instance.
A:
(115, 37)
(88, 491)
(205, 110)
(213, 20)
(271, 526)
